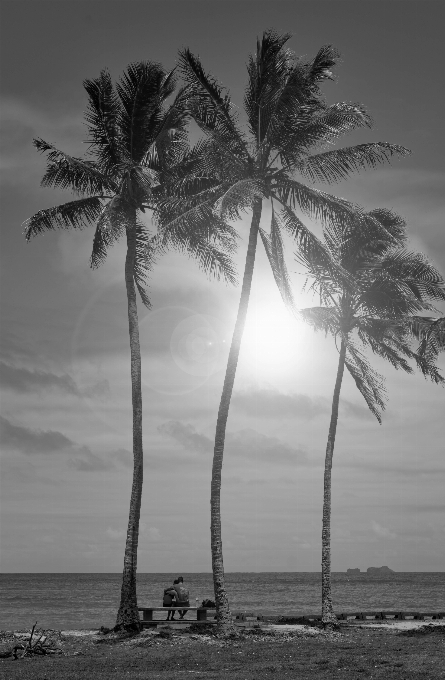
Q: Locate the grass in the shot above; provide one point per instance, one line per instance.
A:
(352, 653)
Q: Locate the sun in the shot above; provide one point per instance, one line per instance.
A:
(272, 338)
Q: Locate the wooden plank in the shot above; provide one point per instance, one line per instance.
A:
(173, 609)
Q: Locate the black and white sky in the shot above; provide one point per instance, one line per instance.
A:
(64, 368)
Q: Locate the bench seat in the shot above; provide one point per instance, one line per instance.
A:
(201, 614)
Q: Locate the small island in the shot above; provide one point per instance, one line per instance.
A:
(375, 571)
(353, 571)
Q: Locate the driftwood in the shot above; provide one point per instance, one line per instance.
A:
(38, 644)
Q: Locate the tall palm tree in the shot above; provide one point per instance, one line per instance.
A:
(234, 169)
(134, 137)
(386, 286)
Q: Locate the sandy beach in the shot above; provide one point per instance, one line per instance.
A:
(403, 650)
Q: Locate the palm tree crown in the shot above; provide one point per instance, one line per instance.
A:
(374, 308)
(133, 138)
(235, 168)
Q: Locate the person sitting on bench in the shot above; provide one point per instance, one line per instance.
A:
(168, 601)
(182, 596)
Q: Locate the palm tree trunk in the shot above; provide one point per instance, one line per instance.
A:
(224, 617)
(328, 617)
(128, 615)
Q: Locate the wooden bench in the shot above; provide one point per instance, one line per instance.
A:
(201, 614)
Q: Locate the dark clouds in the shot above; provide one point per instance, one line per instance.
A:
(24, 380)
(243, 444)
(30, 441)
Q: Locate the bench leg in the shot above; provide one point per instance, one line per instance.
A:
(147, 615)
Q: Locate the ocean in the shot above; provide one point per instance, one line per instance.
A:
(88, 601)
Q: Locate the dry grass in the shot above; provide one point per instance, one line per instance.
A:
(352, 653)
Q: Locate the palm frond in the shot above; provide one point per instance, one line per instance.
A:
(324, 319)
(369, 383)
(141, 91)
(357, 243)
(213, 260)
(75, 214)
(268, 74)
(238, 197)
(325, 59)
(313, 254)
(197, 222)
(103, 117)
(311, 126)
(110, 227)
(430, 332)
(333, 166)
(316, 204)
(204, 90)
(144, 261)
(66, 172)
(408, 275)
(383, 338)
(170, 138)
(273, 245)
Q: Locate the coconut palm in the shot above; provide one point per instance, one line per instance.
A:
(234, 169)
(389, 285)
(134, 137)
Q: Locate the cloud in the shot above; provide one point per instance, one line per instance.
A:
(245, 443)
(187, 436)
(115, 534)
(87, 461)
(256, 446)
(29, 441)
(383, 467)
(124, 457)
(154, 534)
(269, 403)
(23, 380)
(100, 389)
(382, 532)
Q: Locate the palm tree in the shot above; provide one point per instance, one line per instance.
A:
(387, 284)
(233, 170)
(134, 138)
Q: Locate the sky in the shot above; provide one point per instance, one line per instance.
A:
(66, 460)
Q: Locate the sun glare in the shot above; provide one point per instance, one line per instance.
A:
(272, 338)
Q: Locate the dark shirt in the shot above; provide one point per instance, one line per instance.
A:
(169, 594)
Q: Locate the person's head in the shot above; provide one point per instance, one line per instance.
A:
(176, 581)
(179, 579)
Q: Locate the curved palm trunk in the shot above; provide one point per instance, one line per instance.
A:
(328, 616)
(224, 617)
(128, 615)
